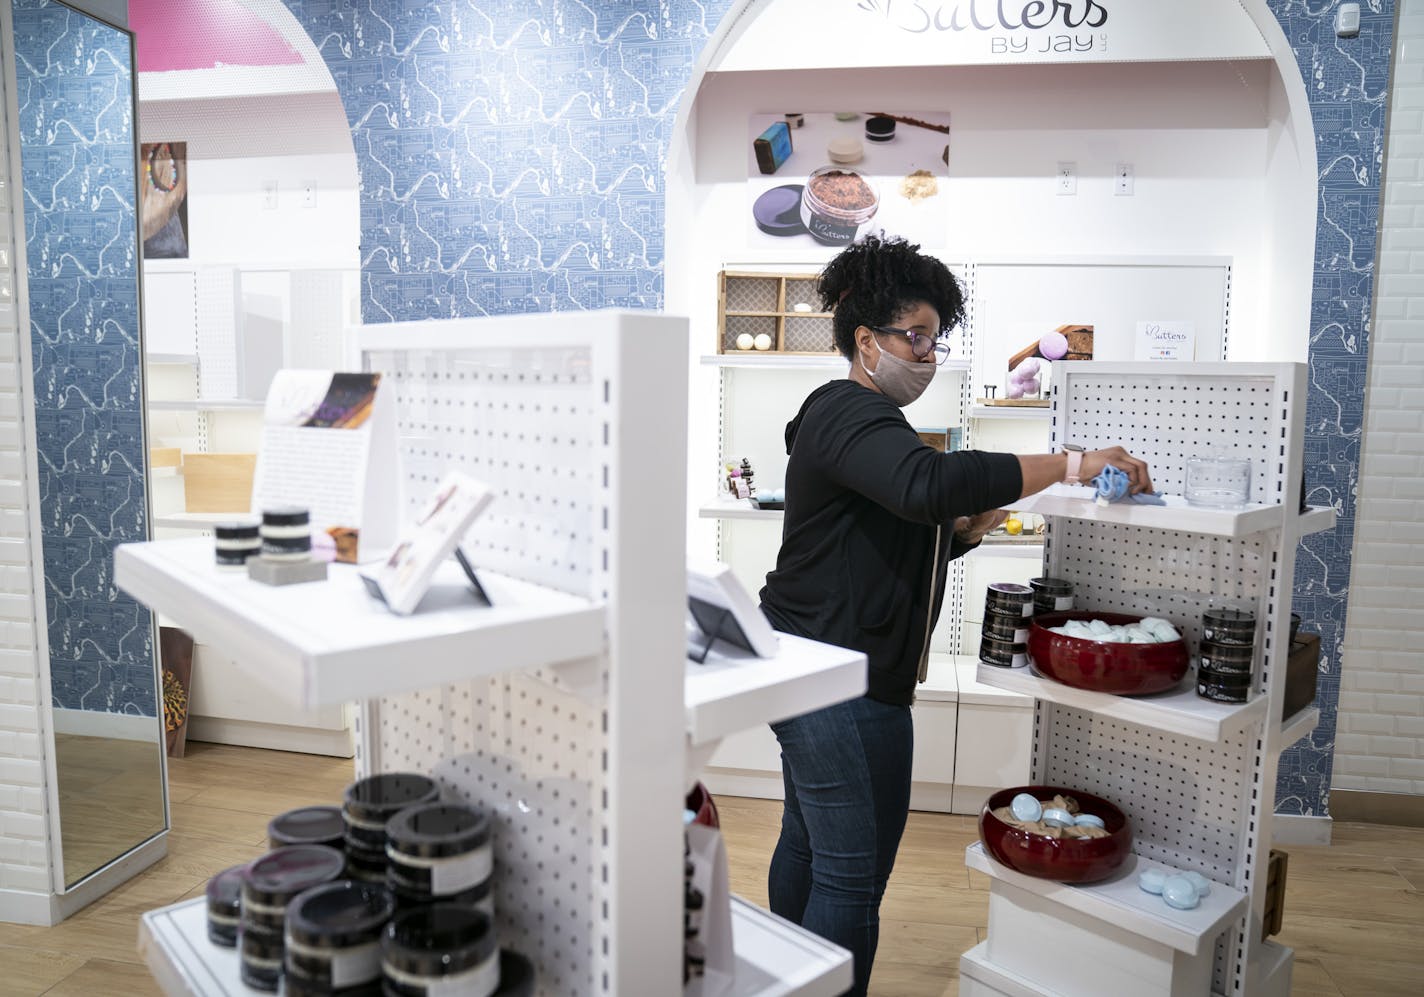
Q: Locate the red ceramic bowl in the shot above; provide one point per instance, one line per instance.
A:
(1067, 860)
(1123, 669)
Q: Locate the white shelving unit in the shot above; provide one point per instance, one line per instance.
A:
(196, 520)
(206, 405)
(589, 885)
(772, 361)
(1299, 725)
(1190, 775)
(319, 644)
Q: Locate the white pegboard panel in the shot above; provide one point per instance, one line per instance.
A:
(1186, 799)
(530, 755)
(219, 302)
(1168, 417)
(524, 423)
(1127, 569)
(319, 311)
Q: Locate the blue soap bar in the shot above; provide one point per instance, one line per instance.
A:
(1199, 882)
(1090, 820)
(773, 147)
(1026, 808)
(1151, 880)
(1179, 892)
(1054, 817)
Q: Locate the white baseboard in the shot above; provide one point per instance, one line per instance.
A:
(276, 737)
(47, 909)
(1297, 829)
(96, 723)
(743, 782)
(24, 907)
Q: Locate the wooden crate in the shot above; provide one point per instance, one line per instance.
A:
(218, 482)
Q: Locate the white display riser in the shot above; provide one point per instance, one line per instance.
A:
(1074, 955)
(229, 708)
(978, 977)
(970, 741)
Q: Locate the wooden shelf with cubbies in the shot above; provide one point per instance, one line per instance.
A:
(757, 314)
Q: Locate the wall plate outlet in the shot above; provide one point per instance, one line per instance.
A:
(1067, 178)
(269, 195)
(1122, 180)
(309, 194)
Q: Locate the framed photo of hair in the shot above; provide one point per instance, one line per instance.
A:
(163, 199)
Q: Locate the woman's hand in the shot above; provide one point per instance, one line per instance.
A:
(972, 529)
(1095, 460)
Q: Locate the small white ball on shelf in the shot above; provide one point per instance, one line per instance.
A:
(745, 341)
(762, 341)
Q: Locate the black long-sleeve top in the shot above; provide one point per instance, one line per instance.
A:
(869, 530)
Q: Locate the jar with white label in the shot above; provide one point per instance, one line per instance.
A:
(268, 885)
(440, 951)
(440, 852)
(334, 939)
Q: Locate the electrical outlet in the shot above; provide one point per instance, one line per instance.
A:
(1067, 178)
(269, 195)
(309, 194)
(1122, 180)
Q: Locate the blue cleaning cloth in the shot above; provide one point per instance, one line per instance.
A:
(1112, 485)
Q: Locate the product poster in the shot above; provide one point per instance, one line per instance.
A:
(825, 179)
(163, 194)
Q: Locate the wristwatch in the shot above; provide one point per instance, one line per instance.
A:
(1075, 463)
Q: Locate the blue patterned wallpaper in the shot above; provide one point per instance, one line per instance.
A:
(511, 158)
(511, 153)
(1347, 80)
(76, 134)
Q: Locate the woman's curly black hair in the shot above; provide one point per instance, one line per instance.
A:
(874, 280)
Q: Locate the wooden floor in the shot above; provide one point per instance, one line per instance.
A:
(1353, 911)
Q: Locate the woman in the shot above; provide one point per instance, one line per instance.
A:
(873, 517)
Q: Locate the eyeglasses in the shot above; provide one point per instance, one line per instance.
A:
(920, 344)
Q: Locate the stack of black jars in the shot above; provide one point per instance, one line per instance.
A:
(389, 894)
(1228, 652)
(1007, 608)
(1051, 595)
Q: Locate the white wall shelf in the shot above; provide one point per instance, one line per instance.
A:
(206, 405)
(775, 958)
(1118, 901)
(198, 520)
(172, 359)
(775, 361)
(330, 642)
(1299, 726)
(731, 508)
(1319, 519)
(1029, 547)
(1009, 412)
(1177, 711)
(733, 690)
(174, 944)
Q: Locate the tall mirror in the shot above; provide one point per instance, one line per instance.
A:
(81, 190)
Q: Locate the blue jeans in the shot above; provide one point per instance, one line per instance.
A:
(847, 774)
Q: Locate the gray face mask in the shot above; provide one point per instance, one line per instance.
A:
(900, 380)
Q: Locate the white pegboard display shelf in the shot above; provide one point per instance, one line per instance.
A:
(775, 958)
(1038, 412)
(197, 520)
(733, 690)
(174, 944)
(1077, 502)
(1178, 711)
(329, 642)
(209, 405)
(1118, 901)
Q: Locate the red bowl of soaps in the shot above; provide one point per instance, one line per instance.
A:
(1108, 652)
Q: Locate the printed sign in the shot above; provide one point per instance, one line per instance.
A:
(1165, 341)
